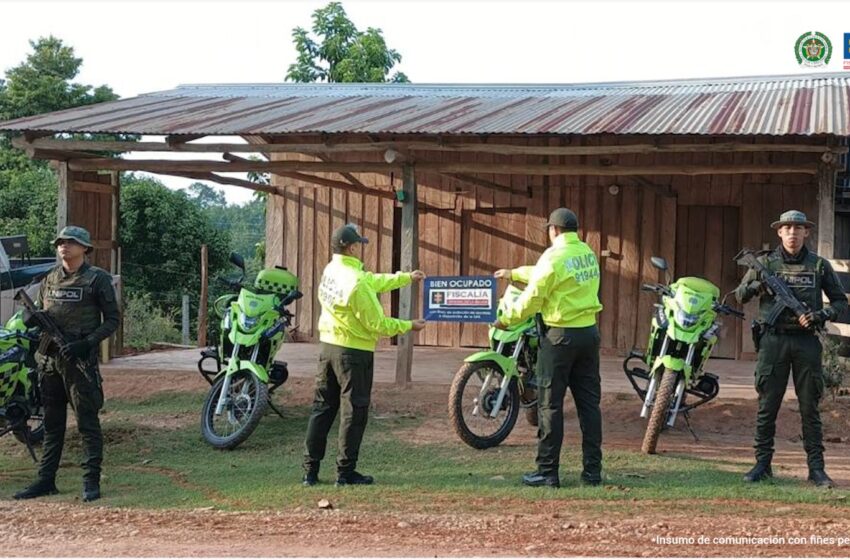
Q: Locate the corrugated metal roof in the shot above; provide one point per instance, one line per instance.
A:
(772, 105)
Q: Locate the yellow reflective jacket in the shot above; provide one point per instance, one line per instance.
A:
(563, 286)
(352, 316)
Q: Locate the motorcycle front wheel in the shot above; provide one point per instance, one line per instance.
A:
(660, 410)
(472, 399)
(246, 402)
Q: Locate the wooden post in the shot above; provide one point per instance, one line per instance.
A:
(409, 262)
(118, 348)
(826, 211)
(202, 304)
(63, 201)
(116, 219)
(185, 319)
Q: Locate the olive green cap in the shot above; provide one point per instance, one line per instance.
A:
(792, 218)
(75, 233)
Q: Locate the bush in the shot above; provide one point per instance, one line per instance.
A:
(834, 366)
(146, 324)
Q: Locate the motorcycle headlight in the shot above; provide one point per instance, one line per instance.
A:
(686, 319)
(247, 322)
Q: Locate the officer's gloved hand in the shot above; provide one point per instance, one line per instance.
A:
(32, 319)
(78, 349)
(756, 287)
(820, 317)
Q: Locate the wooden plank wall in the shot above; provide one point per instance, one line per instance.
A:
(466, 227)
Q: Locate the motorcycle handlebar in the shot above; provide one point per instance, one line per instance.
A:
(730, 311)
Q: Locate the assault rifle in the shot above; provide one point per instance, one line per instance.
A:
(785, 298)
(49, 327)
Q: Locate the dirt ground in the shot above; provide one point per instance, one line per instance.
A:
(549, 528)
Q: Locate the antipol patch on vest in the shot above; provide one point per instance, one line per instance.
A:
(800, 280)
(65, 295)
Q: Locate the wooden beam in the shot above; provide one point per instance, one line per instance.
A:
(826, 211)
(409, 262)
(202, 166)
(493, 148)
(323, 181)
(32, 135)
(220, 179)
(63, 200)
(178, 139)
(86, 186)
(169, 166)
(338, 184)
(479, 182)
(609, 170)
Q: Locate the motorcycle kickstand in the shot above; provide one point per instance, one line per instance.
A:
(273, 407)
(687, 417)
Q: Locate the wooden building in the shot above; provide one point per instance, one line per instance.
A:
(459, 179)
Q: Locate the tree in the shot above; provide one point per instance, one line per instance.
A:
(161, 236)
(42, 83)
(206, 196)
(341, 53)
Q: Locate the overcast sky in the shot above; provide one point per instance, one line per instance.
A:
(138, 47)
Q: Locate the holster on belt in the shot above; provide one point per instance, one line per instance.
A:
(758, 330)
(542, 329)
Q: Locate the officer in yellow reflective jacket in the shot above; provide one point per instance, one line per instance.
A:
(563, 287)
(350, 325)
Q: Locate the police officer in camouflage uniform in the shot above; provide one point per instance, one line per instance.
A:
(792, 345)
(564, 288)
(80, 299)
(351, 322)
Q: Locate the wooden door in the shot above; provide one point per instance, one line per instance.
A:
(490, 239)
(707, 239)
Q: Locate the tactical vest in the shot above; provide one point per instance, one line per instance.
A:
(804, 278)
(72, 300)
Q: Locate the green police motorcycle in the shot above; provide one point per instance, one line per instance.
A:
(253, 326)
(671, 378)
(491, 387)
(21, 411)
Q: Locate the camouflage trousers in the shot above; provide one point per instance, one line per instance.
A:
(63, 385)
(779, 356)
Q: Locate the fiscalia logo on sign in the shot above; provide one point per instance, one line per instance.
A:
(813, 48)
(847, 51)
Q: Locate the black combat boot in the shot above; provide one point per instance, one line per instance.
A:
(761, 471)
(91, 490)
(37, 489)
(311, 478)
(537, 479)
(353, 477)
(818, 477)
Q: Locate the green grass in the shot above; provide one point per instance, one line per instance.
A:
(156, 463)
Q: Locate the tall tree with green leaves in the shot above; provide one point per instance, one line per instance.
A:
(41, 83)
(339, 52)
